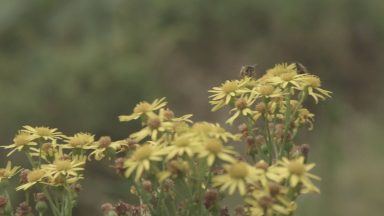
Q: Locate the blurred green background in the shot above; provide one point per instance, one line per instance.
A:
(77, 65)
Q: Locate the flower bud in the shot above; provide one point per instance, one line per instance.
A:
(105, 141)
(210, 198)
(41, 206)
(147, 186)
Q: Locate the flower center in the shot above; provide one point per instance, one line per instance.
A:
(63, 165)
(262, 165)
(169, 114)
(214, 146)
(266, 202)
(142, 107)
(22, 139)
(35, 175)
(143, 152)
(266, 89)
(154, 123)
(288, 76)
(43, 131)
(314, 81)
(104, 141)
(80, 140)
(238, 171)
(260, 107)
(4, 173)
(241, 103)
(229, 87)
(297, 168)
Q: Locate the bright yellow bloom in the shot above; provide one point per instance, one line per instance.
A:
(182, 144)
(289, 78)
(313, 84)
(46, 151)
(80, 141)
(8, 171)
(209, 130)
(144, 109)
(44, 133)
(141, 159)
(242, 107)
(214, 148)
(21, 141)
(296, 171)
(63, 167)
(280, 69)
(265, 203)
(304, 117)
(267, 91)
(33, 177)
(101, 147)
(237, 176)
(154, 126)
(226, 92)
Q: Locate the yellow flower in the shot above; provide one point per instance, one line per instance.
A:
(214, 148)
(280, 69)
(141, 159)
(21, 141)
(144, 109)
(267, 91)
(237, 176)
(289, 78)
(8, 171)
(63, 167)
(305, 117)
(33, 177)
(313, 84)
(104, 144)
(154, 126)
(265, 203)
(209, 130)
(182, 144)
(46, 150)
(226, 92)
(80, 141)
(242, 107)
(296, 171)
(45, 133)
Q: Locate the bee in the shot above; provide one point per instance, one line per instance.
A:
(301, 69)
(248, 71)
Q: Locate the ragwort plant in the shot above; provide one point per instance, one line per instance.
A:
(175, 166)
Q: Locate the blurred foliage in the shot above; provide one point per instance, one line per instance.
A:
(78, 64)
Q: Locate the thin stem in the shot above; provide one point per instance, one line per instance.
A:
(9, 201)
(30, 160)
(287, 121)
(52, 205)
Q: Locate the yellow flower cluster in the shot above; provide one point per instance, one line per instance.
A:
(180, 167)
(169, 140)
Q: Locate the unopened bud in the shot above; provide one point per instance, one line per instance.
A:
(210, 198)
(262, 165)
(105, 141)
(147, 186)
(41, 206)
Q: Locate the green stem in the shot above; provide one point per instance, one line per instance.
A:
(52, 205)
(9, 201)
(30, 160)
(287, 121)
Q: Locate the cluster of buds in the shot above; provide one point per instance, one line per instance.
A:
(124, 209)
(24, 209)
